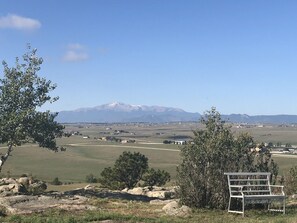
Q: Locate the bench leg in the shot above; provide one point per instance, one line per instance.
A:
(229, 204)
(284, 206)
(236, 211)
(242, 207)
(281, 206)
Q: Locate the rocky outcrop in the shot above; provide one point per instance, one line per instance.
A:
(26, 204)
(21, 197)
(23, 185)
(153, 192)
(164, 196)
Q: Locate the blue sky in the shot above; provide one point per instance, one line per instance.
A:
(239, 56)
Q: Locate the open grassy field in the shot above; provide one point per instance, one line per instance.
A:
(90, 155)
(81, 160)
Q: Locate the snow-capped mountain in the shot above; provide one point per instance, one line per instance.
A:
(121, 112)
(119, 106)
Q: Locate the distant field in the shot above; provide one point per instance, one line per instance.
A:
(81, 160)
(274, 134)
(85, 156)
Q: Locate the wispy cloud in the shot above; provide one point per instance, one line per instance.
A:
(76, 46)
(75, 52)
(73, 56)
(13, 21)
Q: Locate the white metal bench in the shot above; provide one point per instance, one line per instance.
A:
(254, 188)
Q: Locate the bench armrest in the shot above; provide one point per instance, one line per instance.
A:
(236, 186)
(278, 186)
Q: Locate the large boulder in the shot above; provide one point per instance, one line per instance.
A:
(159, 194)
(137, 191)
(23, 185)
(6, 181)
(24, 181)
(174, 209)
(10, 186)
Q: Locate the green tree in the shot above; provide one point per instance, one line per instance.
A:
(291, 181)
(155, 177)
(264, 163)
(215, 150)
(22, 92)
(56, 181)
(127, 171)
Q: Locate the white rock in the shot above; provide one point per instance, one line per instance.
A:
(24, 181)
(125, 190)
(90, 187)
(136, 191)
(173, 209)
(158, 194)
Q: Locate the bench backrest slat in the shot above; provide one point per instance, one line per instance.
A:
(247, 173)
(255, 191)
(252, 185)
(252, 180)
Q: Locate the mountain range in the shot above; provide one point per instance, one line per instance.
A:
(118, 112)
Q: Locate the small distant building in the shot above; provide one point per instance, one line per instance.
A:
(128, 141)
(75, 133)
(180, 142)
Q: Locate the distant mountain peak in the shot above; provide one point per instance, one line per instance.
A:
(120, 106)
(113, 104)
(116, 104)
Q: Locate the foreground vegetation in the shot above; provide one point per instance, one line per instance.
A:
(131, 211)
(214, 151)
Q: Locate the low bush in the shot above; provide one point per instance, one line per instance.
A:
(91, 179)
(290, 181)
(56, 181)
(128, 170)
(155, 177)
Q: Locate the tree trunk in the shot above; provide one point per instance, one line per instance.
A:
(4, 158)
